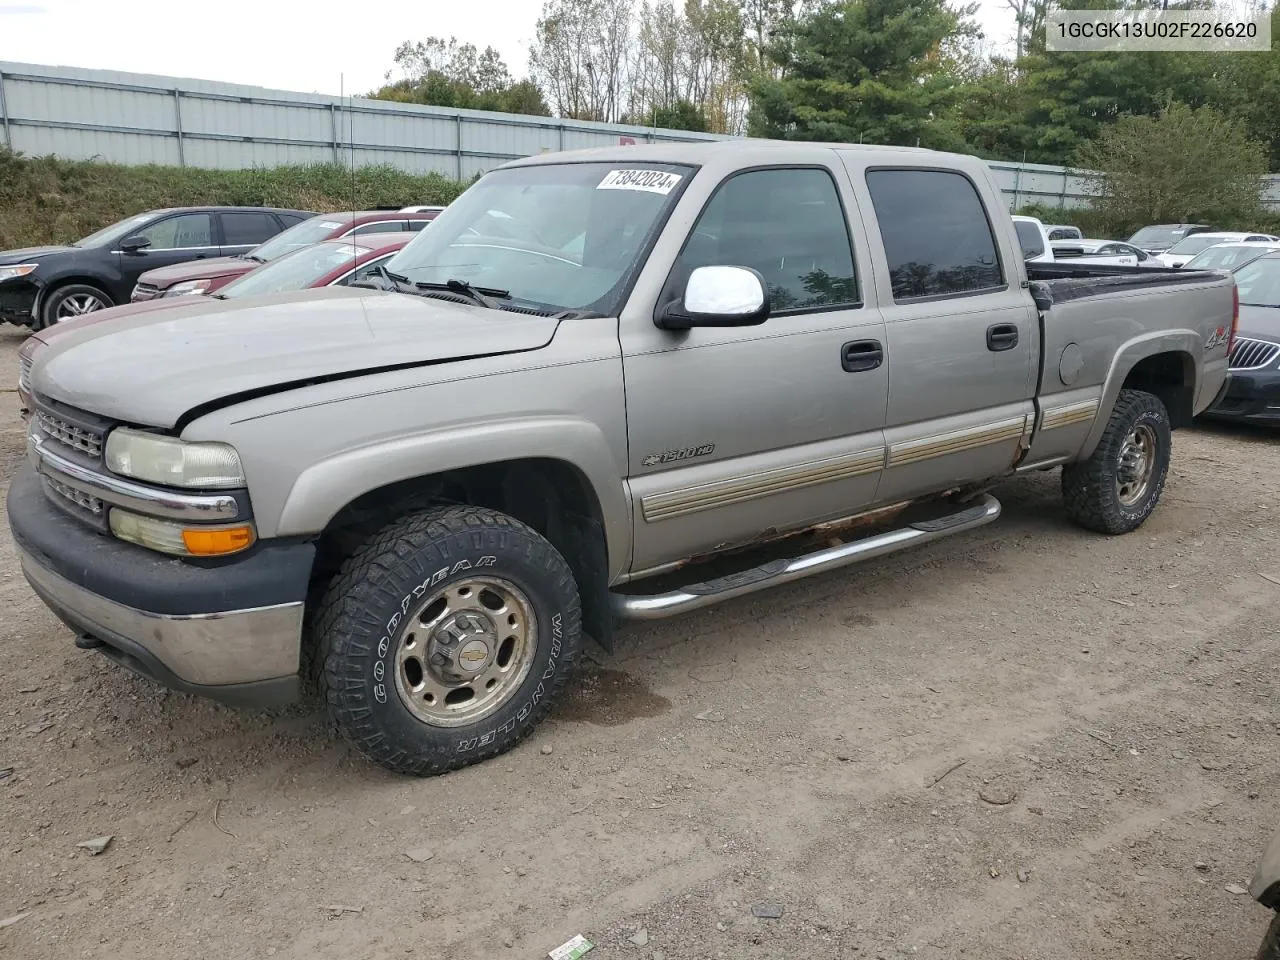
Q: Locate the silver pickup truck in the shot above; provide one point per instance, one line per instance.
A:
(607, 385)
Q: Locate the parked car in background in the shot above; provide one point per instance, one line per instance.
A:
(1033, 238)
(1253, 393)
(1103, 252)
(1060, 231)
(1185, 249)
(433, 492)
(330, 263)
(426, 209)
(41, 285)
(206, 276)
(1159, 237)
(1230, 256)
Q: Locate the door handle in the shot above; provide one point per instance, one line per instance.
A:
(1002, 336)
(859, 355)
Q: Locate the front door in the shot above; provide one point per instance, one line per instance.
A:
(963, 336)
(176, 239)
(735, 434)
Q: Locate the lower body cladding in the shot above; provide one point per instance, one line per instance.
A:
(1251, 396)
(230, 631)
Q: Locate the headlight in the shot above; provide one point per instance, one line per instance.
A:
(168, 537)
(173, 462)
(187, 287)
(17, 270)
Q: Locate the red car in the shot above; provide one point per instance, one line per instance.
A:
(206, 276)
(330, 263)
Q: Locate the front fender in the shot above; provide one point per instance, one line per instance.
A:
(324, 488)
(1184, 342)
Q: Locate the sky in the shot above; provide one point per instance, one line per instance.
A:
(313, 46)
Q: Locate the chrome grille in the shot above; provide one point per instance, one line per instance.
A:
(69, 434)
(70, 494)
(145, 291)
(24, 374)
(1249, 354)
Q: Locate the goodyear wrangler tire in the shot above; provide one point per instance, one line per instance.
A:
(1115, 490)
(446, 639)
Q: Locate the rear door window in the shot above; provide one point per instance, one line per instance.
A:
(248, 229)
(937, 238)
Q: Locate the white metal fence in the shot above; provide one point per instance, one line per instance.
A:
(139, 118)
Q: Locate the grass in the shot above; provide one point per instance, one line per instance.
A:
(49, 200)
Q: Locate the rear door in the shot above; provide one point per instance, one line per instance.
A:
(172, 239)
(963, 334)
(244, 230)
(740, 433)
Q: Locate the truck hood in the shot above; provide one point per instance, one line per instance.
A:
(25, 254)
(150, 367)
(165, 277)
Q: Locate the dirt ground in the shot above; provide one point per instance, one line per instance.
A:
(1027, 742)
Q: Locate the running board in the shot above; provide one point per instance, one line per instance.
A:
(776, 572)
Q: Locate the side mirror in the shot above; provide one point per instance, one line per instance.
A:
(719, 297)
(134, 244)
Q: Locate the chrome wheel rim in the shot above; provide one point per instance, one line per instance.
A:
(77, 305)
(465, 650)
(1137, 465)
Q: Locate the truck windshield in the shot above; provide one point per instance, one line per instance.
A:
(1157, 235)
(565, 236)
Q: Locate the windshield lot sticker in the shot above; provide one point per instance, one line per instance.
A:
(650, 181)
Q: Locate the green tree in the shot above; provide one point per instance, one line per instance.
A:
(872, 71)
(682, 115)
(448, 74)
(1187, 164)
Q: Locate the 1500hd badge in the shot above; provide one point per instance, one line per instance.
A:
(671, 456)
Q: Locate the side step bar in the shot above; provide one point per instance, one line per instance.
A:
(776, 572)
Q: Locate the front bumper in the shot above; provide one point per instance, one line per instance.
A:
(1251, 396)
(229, 630)
(18, 299)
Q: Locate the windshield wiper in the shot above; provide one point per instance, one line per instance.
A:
(481, 296)
(392, 280)
(251, 256)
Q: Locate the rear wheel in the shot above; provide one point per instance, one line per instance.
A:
(446, 639)
(71, 301)
(1115, 490)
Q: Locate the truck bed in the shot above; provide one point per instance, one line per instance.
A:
(1064, 281)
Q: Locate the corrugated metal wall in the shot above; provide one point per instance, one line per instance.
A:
(139, 118)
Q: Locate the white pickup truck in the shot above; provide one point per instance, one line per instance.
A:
(1038, 247)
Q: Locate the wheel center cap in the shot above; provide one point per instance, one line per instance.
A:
(473, 656)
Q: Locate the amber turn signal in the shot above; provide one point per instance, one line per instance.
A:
(213, 543)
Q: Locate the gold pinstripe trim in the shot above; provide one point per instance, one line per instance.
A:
(957, 441)
(1069, 414)
(724, 493)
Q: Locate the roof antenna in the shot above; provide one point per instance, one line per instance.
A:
(351, 144)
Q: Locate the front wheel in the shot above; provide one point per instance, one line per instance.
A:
(69, 302)
(446, 638)
(1115, 490)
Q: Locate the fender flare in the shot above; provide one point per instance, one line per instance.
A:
(1130, 354)
(324, 488)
